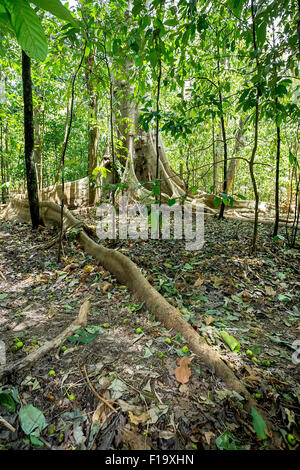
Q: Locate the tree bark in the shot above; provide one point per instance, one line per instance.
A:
(234, 163)
(93, 129)
(32, 187)
(277, 212)
(37, 152)
(221, 214)
(140, 153)
(251, 163)
(64, 143)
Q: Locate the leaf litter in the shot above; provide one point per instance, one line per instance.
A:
(218, 289)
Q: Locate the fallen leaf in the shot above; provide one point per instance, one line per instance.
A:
(52, 312)
(183, 372)
(209, 320)
(106, 287)
(270, 291)
(135, 441)
(138, 419)
(217, 280)
(88, 269)
(199, 281)
(208, 436)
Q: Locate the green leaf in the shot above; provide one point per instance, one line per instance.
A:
(5, 19)
(28, 29)
(261, 33)
(236, 6)
(230, 341)
(57, 9)
(153, 57)
(35, 442)
(32, 420)
(84, 336)
(7, 401)
(171, 22)
(259, 424)
(228, 441)
(284, 298)
(3, 296)
(171, 202)
(217, 202)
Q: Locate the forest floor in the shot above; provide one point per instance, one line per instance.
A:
(130, 358)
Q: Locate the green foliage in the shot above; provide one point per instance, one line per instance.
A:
(7, 401)
(19, 17)
(259, 424)
(227, 441)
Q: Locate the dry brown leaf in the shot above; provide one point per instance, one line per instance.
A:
(208, 436)
(209, 320)
(270, 291)
(88, 268)
(183, 372)
(219, 281)
(138, 419)
(246, 296)
(69, 267)
(135, 441)
(106, 287)
(199, 281)
(99, 413)
(52, 312)
(252, 378)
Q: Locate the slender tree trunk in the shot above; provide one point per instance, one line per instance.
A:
(93, 129)
(6, 165)
(32, 187)
(251, 163)
(298, 28)
(214, 158)
(221, 214)
(37, 153)
(225, 155)
(2, 164)
(277, 212)
(157, 122)
(64, 143)
(63, 154)
(234, 163)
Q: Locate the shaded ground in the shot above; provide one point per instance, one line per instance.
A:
(131, 358)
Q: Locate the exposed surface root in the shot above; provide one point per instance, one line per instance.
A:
(128, 273)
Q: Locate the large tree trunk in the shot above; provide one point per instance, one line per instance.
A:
(138, 157)
(32, 187)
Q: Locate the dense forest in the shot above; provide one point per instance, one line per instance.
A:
(114, 334)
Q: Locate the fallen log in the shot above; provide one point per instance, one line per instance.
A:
(27, 361)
